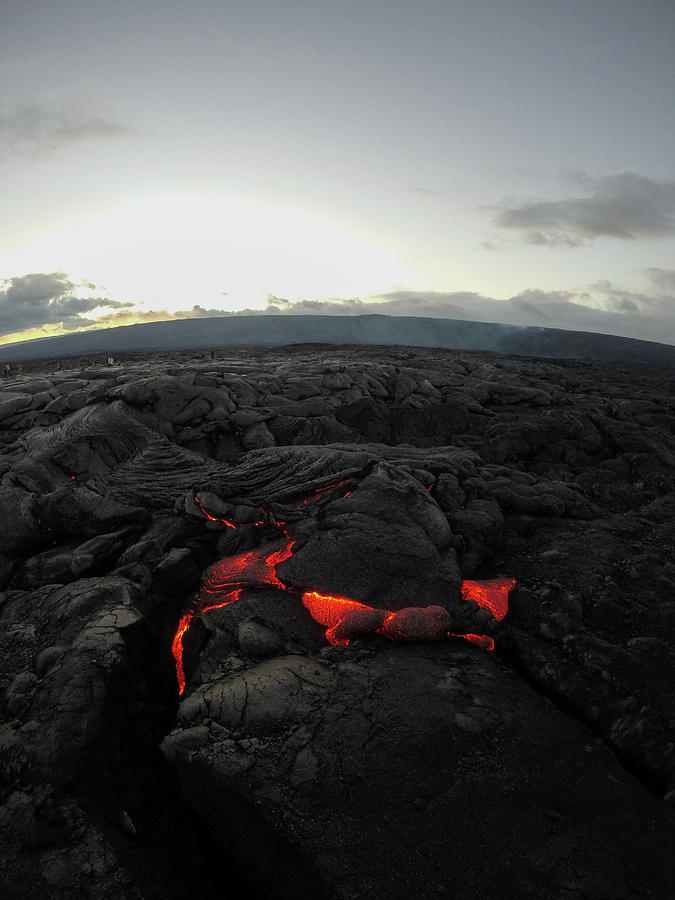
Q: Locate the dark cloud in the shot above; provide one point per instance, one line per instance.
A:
(620, 300)
(625, 206)
(38, 299)
(37, 132)
(664, 279)
(198, 312)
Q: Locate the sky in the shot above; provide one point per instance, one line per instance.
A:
(497, 160)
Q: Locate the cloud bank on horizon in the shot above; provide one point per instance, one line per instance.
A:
(604, 308)
(48, 304)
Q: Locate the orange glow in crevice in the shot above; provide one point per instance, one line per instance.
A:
(222, 584)
(329, 610)
(227, 522)
(268, 519)
(317, 492)
(250, 569)
(343, 618)
(210, 517)
(333, 611)
(177, 650)
(484, 641)
(491, 595)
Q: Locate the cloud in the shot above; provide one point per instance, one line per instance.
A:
(662, 278)
(37, 300)
(601, 307)
(493, 246)
(36, 132)
(55, 303)
(625, 207)
(433, 304)
(137, 317)
(198, 312)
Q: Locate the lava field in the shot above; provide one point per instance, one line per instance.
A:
(337, 623)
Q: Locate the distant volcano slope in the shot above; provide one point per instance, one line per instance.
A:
(337, 622)
(279, 330)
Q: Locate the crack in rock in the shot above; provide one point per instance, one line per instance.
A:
(379, 482)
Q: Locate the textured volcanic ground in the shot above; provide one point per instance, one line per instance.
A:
(260, 634)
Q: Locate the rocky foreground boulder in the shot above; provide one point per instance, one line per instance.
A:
(323, 622)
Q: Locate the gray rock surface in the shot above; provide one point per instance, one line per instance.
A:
(218, 493)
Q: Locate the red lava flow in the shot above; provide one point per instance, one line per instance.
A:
(343, 618)
(492, 595)
(223, 582)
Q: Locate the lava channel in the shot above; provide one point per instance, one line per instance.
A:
(491, 595)
(222, 584)
(343, 618)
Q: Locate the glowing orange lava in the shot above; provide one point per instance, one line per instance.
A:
(317, 492)
(249, 569)
(484, 641)
(222, 584)
(210, 517)
(416, 623)
(177, 650)
(234, 596)
(329, 610)
(343, 618)
(492, 595)
(334, 612)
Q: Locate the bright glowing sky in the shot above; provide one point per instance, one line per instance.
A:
(508, 161)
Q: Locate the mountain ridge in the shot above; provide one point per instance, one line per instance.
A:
(371, 329)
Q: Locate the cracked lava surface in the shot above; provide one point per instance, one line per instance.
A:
(337, 736)
(344, 618)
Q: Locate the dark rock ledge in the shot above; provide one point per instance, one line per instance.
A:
(290, 767)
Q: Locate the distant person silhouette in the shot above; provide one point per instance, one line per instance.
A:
(7, 371)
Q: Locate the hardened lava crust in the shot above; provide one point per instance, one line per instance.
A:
(337, 622)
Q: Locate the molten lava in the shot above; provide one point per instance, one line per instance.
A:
(416, 623)
(213, 518)
(484, 641)
(249, 569)
(317, 492)
(328, 610)
(492, 595)
(343, 618)
(177, 650)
